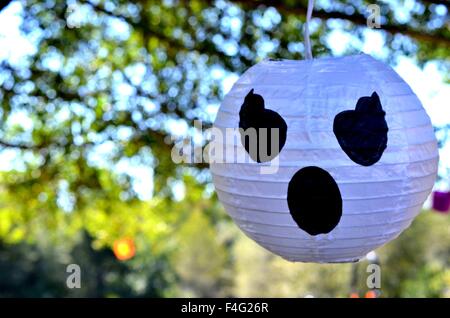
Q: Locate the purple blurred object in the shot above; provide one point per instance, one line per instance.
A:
(441, 201)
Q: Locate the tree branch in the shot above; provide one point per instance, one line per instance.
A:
(444, 2)
(17, 146)
(171, 43)
(357, 19)
(298, 9)
(4, 4)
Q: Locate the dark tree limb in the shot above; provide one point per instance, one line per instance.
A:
(299, 9)
(444, 2)
(358, 19)
(4, 4)
(17, 146)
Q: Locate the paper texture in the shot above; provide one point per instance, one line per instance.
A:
(379, 201)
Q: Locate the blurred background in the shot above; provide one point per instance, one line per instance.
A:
(93, 95)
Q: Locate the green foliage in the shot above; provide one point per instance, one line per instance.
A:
(421, 253)
(416, 264)
(200, 259)
(40, 271)
(271, 276)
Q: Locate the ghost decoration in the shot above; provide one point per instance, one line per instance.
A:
(352, 154)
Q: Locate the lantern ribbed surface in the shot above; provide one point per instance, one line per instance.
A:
(378, 201)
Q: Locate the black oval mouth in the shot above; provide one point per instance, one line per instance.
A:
(314, 200)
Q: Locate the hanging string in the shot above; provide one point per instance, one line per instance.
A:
(309, 11)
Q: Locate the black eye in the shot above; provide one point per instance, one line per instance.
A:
(261, 129)
(362, 133)
(314, 200)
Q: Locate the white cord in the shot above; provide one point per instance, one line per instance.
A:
(308, 51)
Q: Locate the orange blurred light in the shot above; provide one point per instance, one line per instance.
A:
(124, 249)
(371, 294)
(354, 295)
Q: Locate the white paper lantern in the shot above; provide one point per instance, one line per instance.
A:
(355, 176)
